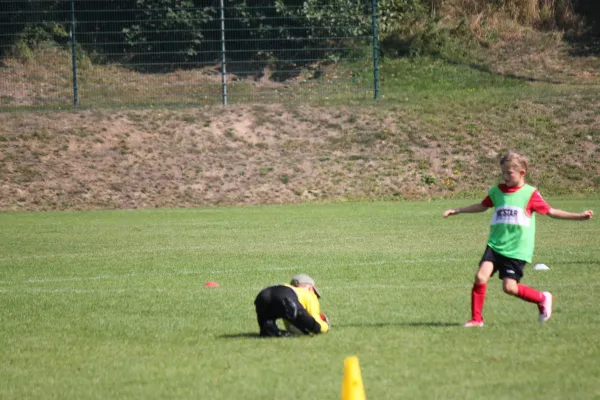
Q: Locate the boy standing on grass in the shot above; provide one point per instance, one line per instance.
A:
(512, 236)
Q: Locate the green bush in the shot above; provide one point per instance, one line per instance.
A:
(35, 36)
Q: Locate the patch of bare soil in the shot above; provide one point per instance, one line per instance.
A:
(186, 158)
(236, 155)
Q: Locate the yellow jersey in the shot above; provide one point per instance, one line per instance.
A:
(310, 302)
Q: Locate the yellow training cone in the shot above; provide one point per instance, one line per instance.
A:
(352, 386)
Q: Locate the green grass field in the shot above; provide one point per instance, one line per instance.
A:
(111, 305)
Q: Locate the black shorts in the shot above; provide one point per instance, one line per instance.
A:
(505, 266)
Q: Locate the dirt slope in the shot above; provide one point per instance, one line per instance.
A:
(181, 158)
(234, 155)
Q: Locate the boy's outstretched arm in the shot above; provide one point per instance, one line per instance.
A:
(473, 208)
(560, 214)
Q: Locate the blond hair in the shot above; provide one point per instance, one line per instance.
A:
(514, 159)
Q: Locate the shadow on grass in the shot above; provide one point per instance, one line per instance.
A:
(245, 335)
(255, 335)
(584, 46)
(508, 75)
(433, 324)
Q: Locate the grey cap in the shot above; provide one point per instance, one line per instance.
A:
(305, 279)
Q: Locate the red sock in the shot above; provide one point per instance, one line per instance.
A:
(529, 294)
(477, 299)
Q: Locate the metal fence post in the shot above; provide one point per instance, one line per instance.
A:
(375, 49)
(74, 55)
(223, 62)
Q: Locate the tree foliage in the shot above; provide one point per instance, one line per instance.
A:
(168, 31)
(147, 32)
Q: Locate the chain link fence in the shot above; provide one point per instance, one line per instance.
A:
(142, 53)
